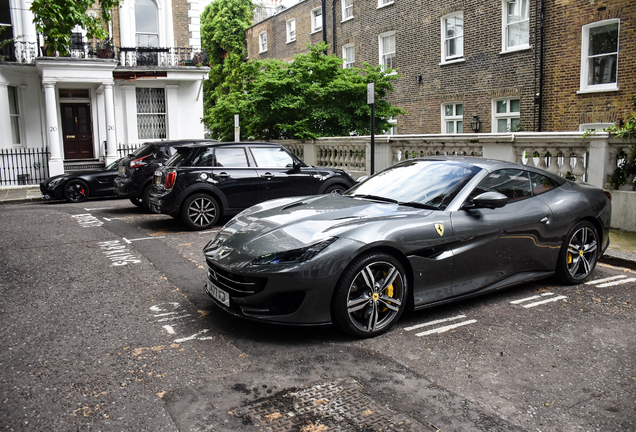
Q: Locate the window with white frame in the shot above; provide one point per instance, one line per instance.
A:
(453, 118)
(516, 24)
(262, 42)
(291, 30)
(392, 126)
(146, 23)
(599, 56)
(385, 2)
(387, 50)
(453, 37)
(151, 113)
(347, 9)
(316, 20)
(506, 115)
(348, 56)
(14, 115)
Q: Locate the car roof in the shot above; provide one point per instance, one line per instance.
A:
(190, 146)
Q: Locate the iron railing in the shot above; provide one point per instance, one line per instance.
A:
(23, 166)
(124, 150)
(26, 52)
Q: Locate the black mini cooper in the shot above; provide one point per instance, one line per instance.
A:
(201, 182)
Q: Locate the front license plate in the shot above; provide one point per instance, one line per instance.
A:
(219, 294)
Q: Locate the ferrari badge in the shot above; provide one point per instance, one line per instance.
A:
(440, 229)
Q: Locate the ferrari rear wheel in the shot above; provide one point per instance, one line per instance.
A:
(76, 191)
(579, 254)
(370, 296)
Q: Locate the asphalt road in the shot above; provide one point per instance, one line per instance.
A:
(104, 326)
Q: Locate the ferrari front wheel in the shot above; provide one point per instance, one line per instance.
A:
(579, 254)
(370, 296)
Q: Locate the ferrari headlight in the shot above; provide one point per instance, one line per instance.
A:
(52, 184)
(294, 256)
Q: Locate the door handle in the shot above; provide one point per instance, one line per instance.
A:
(268, 175)
(223, 175)
(545, 220)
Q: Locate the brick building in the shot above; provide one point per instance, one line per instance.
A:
(589, 63)
(460, 59)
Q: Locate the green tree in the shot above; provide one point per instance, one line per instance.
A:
(223, 25)
(55, 20)
(627, 132)
(311, 97)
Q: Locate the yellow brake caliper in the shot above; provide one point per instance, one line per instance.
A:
(388, 291)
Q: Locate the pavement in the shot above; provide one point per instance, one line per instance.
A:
(621, 253)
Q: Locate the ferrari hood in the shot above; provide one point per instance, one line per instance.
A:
(289, 224)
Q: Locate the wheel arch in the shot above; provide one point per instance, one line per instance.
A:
(332, 182)
(199, 188)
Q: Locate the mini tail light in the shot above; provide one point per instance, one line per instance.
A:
(171, 176)
(138, 162)
(607, 194)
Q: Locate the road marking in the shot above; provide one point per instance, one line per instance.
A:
(87, 220)
(430, 323)
(112, 219)
(101, 208)
(600, 281)
(156, 308)
(169, 329)
(446, 328)
(550, 300)
(129, 241)
(531, 298)
(118, 253)
(620, 282)
(173, 318)
(167, 313)
(194, 336)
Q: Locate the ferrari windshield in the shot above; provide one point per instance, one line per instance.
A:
(420, 183)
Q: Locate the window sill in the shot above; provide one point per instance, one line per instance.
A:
(345, 20)
(516, 49)
(453, 61)
(385, 5)
(316, 31)
(290, 41)
(262, 52)
(598, 90)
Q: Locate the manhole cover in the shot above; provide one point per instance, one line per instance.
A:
(336, 406)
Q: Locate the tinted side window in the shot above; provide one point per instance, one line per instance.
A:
(231, 157)
(272, 157)
(203, 157)
(540, 184)
(515, 184)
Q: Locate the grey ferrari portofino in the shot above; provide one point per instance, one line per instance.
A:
(420, 233)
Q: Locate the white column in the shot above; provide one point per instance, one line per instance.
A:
(111, 136)
(172, 112)
(5, 121)
(100, 129)
(598, 160)
(56, 163)
(130, 113)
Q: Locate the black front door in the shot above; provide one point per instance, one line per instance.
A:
(77, 131)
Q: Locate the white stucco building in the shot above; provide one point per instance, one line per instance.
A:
(145, 84)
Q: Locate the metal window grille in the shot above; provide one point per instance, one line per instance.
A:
(151, 113)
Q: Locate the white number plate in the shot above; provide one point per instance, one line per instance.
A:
(219, 294)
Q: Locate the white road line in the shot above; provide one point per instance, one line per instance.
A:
(550, 300)
(531, 298)
(194, 336)
(434, 322)
(620, 282)
(594, 282)
(173, 318)
(143, 238)
(112, 219)
(166, 314)
(101, 208)
(446, 328)
(169, 329)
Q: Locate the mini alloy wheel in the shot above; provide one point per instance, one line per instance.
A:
(370, 296)
(76, 191)
(200, 211)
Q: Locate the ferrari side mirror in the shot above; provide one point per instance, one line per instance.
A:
(491, 200)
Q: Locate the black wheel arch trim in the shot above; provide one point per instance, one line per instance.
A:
(202, 188)
(333, 182)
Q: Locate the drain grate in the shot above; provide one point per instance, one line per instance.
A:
(338, 406)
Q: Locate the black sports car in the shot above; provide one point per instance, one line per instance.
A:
(79, 185)
(420, 233)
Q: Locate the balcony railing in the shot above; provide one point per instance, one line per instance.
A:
(168, 57)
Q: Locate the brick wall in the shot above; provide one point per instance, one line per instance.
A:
(485, 73)
(563, 108)
(181, 22)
